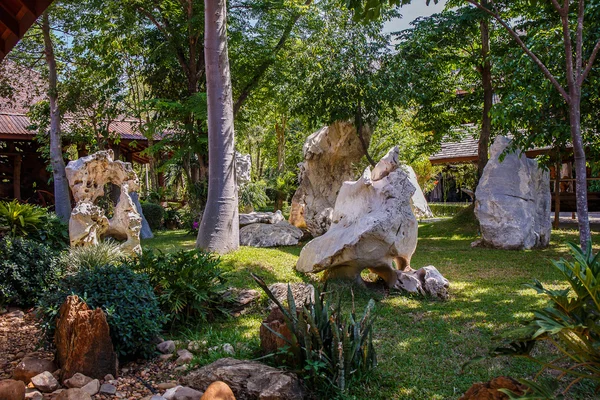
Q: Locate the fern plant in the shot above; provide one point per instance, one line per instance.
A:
(21, 219)
(570, 322)
(327, 344)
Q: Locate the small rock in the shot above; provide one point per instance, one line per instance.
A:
(181, 368)
(166, 347)
(166, 385)
(73, 394)
(227, 348)
(121, 395)
(157, 340)
(45, 382)
(20, 355)
(182, 393)
(489, 390)
(157, 397)
(124, 371)
(35, 395)
(92, 388)
(107, 388)
(218, 391)
(197, 345)
(109, 377)
(184, 357)
(30, 367)
(165, 357)
(11, 389)
(77, 381)
(16, 314)
(56, 374)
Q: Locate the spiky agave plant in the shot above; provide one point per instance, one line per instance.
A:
(326, 343)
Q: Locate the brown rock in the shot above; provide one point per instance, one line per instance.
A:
(30, 367)
(77, 381)
(45, 382)
(11, 389)
(489, 390)
(73, 394)
(218, 391)
(248, 380)
(83, 341)
(269, 342)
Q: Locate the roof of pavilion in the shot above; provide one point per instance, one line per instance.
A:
(16, 17)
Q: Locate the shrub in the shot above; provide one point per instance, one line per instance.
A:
(154, 214)
(125, 296)
(172, 219)
(104, 253)
(53, 232)
(21, 219)
(447, 209)
(570, 322)
(27, 269)
(332, 348)
(189, 284)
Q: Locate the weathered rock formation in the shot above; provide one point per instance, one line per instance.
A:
(427, 281)
(261, 218)
(83, 342)
(490, 390)
(243, 167)
(270, 235)
(419, 203)
(88, 225)
(373, 226)
(249, 380)
(513, 201)
(303, 293)
(328, 157)
(271, 343)
(145, 231)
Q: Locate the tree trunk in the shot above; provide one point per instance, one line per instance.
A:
(219, 229)
(280, 130)
(62, 199)
(580, 169)
(488, 93)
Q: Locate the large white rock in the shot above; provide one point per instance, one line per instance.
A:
(261, 218)
(513, 201)
(243, 167)
(328, 157)
(270, 235)
(373, 226)
(419, 203)
(88, 225)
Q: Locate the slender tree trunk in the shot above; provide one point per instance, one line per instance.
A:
(62, 199)
(280, 130)
(219, 229)
(580, 169)
(488, 96)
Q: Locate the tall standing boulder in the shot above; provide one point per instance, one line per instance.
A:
(328, 157)
(83, 342)
(513, 201)
(373, 226)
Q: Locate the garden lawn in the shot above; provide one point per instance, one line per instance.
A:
(421, 343)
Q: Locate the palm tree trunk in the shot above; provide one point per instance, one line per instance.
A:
(62, 199)
(219, 229)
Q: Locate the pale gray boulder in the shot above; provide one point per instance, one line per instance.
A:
(418, 201)
(270, 235)
(513, 201)
(427, 281)
(145, 232)
(261, 218)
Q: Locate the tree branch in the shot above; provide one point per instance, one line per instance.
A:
(589, 64)
(579, 40)
(523, 46)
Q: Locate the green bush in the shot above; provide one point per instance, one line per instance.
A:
(447, 209)
(125, 296)
(154, 214)
(27, 269)
(53, 232)
(189, 284)
(107, 252)
(570, 322)
(332, 349)
(21, 219)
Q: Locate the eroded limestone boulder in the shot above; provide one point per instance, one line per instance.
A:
(261, 218)
(249, 380)
(243, 167)
(270, 235)
(328, 157)
(88, 225)
(419, 203)
(427, 281)
(373, 226)
(513, 201)
(83, 342)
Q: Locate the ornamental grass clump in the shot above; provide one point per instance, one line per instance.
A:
(107, 252)
(331, 349)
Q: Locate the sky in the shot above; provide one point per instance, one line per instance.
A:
(412, 11)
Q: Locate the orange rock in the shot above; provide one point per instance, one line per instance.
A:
(12, 390)
(218, 391)
(83, 341)
(269, 342)
(489, 390)
(30, 367)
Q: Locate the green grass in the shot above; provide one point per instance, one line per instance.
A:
(421, 343)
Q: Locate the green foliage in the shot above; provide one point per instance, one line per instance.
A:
(570, 322)
(189, 284)
(53, 232)
(27, 269)
(154, 214)
(125, 296)
(21, 219)
(333, 349)
(253, 194)
(447, 209)
(104, 253)
(172, 218)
